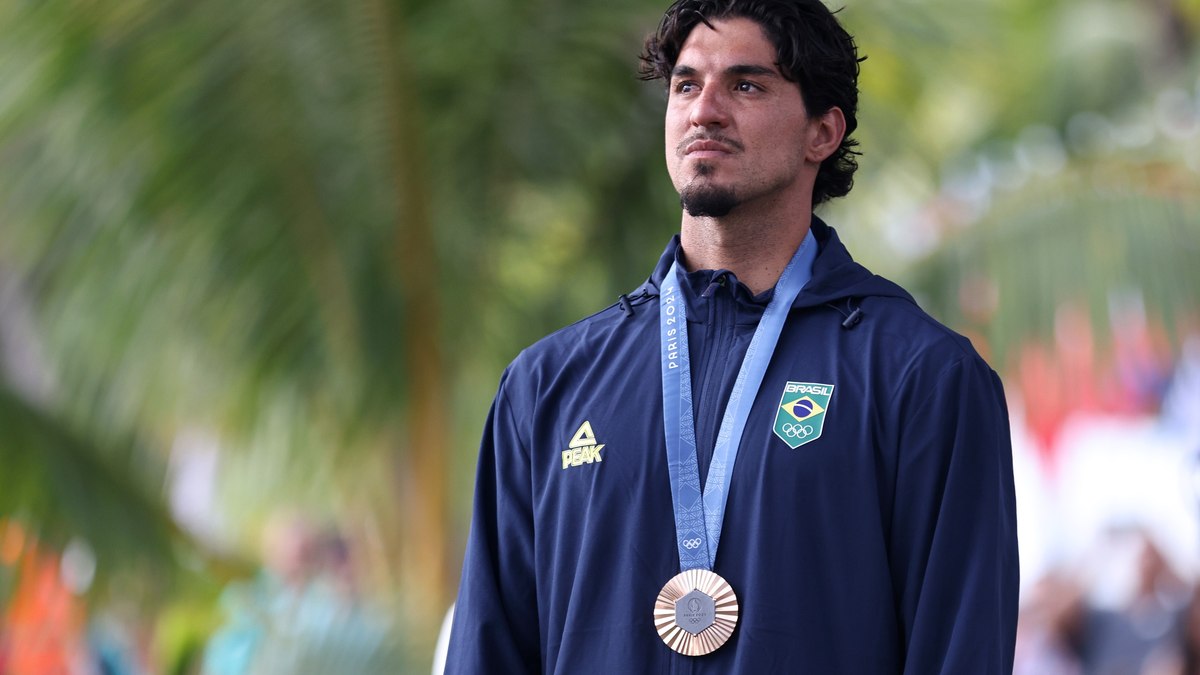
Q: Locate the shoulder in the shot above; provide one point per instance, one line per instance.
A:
(574, 340)
(912, 332)
(931, 378)
(892, 326)
(919, 351)
(609, 338)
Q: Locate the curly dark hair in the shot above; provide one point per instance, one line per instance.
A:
(814, 51)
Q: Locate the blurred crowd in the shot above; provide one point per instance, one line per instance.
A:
(1110, 520)
(302, 613)
(1127, 613)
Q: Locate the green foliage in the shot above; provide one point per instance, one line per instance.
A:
(1092, 243)
(64, 488)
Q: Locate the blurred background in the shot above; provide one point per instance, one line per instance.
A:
(261, 265)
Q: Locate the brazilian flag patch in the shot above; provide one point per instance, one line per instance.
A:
(801, 414)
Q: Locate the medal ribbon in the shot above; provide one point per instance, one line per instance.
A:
(699, 517)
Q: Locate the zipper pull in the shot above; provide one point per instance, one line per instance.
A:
(717, 282)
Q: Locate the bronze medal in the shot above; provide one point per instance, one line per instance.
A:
(696, 612)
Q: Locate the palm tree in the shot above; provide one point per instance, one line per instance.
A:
(235, 218)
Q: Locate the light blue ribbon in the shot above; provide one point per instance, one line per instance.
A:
(699, 517)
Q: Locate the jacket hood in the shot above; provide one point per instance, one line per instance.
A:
(835, 274)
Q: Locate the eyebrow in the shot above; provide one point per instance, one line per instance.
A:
(741, 69)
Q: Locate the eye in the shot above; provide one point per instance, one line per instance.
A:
(685, 87)
(746, 87)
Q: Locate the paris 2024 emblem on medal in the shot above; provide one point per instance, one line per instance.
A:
(696, 612)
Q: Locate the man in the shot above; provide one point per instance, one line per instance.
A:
(766, 459)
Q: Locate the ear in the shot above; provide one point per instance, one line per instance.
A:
(825, 135)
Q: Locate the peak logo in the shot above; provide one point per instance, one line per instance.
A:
(583, 448)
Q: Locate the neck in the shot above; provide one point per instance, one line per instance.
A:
(757, 252)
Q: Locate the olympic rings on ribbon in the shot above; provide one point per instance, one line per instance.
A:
(691, 543)
(797, 430)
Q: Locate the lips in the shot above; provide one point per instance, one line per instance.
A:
(702, 146)
(707, 148)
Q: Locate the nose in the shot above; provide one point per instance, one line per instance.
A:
(709, 108)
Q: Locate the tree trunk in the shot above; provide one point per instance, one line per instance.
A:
(421, 466)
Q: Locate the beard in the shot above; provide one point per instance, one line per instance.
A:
(701, 199)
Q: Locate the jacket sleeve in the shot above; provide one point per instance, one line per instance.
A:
(495, 627)
(953, 547)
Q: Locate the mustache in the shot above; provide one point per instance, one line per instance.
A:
(707, 136)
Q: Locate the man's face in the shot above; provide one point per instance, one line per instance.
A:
(736, 129)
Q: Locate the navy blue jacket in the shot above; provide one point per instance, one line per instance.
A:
(887, 545)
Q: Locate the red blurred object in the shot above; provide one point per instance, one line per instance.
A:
(44, 621)
(1072, 377)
